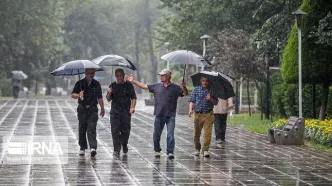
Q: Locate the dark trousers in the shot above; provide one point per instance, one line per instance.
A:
(16, 90)
(120, 128)
(87, 118)
(220, 126)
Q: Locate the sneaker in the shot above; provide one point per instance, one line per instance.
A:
(171, 156)
(206, 154)
(81, 152)
(116, 153)
(218, 141)
(156, 154)
(125, 149)
(196, 153)
(93, 152)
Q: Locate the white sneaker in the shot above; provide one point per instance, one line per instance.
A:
(206, 154)
(93, 152)
(156, 154)
(218, 141)
(171, 156)
(196, 153)
(81, 152)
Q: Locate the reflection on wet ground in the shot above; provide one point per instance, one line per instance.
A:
(244, 159)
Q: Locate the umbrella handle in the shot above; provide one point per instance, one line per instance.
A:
(184, 72)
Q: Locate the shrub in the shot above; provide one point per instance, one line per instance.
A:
(6, 87)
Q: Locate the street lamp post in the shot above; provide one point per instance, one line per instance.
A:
(204, 38)
(298, 14)
(166, 45)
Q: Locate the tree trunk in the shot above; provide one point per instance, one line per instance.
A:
(36, 88)
(153, 60)
(50, 81)
(237, 109)
(314, 100)
(322, 113)
(248, 96)
(137, 52)
(260, 90)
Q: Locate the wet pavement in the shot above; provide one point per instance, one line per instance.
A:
(244, 159)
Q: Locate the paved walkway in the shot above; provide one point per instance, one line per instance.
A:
(245, 159)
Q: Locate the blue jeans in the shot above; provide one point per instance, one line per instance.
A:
(159, 124)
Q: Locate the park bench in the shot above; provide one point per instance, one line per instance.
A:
(292, 133)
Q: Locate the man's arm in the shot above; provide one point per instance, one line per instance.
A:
(191, 108)
(230, 103)
(109, 94)
(75, 96)
(137, 83)
(132, 107)
(102, 108)
(192, 101)
(214, 101)
(133, 103)
(184, 89)
(77, 92)
(140, 85)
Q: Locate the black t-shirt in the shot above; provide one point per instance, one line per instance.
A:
(92, 92)
(122, 94)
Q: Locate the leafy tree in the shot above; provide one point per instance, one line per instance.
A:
(316, 63)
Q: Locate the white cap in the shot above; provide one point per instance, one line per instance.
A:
(165, 71)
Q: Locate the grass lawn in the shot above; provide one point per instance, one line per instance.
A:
(251, 123)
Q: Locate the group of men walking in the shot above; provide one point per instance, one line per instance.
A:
(203, 105)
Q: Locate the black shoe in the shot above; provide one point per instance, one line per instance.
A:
(93, 152)
(125, 149)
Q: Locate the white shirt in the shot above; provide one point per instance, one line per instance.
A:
(223, 106)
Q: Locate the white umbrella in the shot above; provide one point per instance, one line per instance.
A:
(114, 60)
(75, 68)
(19, 75)
(185, 57)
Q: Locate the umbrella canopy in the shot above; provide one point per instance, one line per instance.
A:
(75, 67)
(114, 60)
(19, 75)
(185, 57)
(221, 86)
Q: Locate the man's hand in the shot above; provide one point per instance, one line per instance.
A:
(81, 93)
(190, 113)
(208, 97)
(132, 110)
(183, 84)
(129, 78)
(109, 91)
(102, 112)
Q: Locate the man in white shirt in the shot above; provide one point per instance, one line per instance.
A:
(220, 114)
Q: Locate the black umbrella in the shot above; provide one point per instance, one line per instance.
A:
(75, 68)
(19, 75)
(114, 60)
(220, 84)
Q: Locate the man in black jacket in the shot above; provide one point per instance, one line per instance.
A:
(88, 92)
(123, 97)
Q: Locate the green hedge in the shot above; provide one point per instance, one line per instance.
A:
(6, 87)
